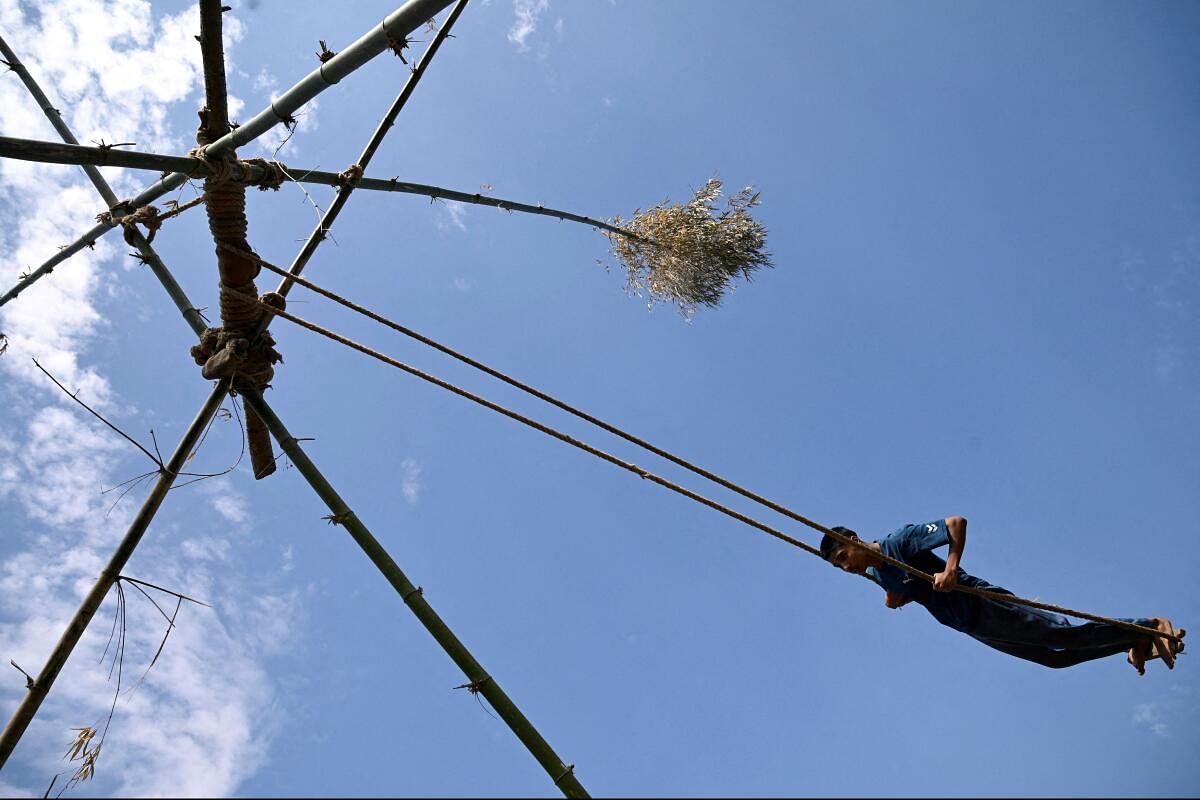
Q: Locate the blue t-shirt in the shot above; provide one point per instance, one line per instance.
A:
(913, 544)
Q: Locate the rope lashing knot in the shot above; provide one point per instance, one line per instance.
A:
(222, 168)
(224, 354)
(349, 178)
(145, 215)
(274, 174)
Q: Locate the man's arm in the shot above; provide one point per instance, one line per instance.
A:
(947, 579)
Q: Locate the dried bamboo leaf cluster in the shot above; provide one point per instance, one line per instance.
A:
(689, 253)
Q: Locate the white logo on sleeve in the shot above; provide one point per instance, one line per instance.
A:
(930, 528)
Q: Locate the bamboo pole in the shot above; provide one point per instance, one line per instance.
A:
(413, 596)
(226, 210)
(54, 153)
(394, 28)
(38, 690)
(74, 153)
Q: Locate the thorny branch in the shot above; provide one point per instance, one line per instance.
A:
(75, 396)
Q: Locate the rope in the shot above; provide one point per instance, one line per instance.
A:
(272, 178)
(144, 215)
(642, 473)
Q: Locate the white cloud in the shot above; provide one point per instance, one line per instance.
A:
(206, 548)
(527, 13)
(203, 720)
(453, 215)
(463, 285)
(227, 502)
(410, 480)
(1149, 716)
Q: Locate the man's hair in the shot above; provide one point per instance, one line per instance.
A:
(829, 544)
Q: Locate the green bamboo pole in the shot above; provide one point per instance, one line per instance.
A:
(395, 28)
(413, 596)
(57, 153)
(54, 153)
(38, 690)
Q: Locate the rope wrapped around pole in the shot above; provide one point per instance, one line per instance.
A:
(237, 350)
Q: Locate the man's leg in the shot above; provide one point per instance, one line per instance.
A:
(1048, 657)
(1021, 625)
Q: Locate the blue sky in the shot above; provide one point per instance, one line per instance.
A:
(985, 302)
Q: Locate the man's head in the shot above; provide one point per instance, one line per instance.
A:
(845, 556)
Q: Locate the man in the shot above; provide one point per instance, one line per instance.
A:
(1029, 633)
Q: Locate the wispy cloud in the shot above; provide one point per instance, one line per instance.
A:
(410, 480)
(226, 501)
(528, 13)
(454, 214)
(1150, 717)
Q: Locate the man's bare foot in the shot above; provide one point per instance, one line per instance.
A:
(1164, 647)
(1138, 655)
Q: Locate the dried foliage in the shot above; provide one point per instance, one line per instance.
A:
(690, 253)
(83, 751)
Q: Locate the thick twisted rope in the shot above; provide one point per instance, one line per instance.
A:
(645, 474)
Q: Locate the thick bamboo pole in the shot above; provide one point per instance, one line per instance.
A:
(413, 596)
(395, 28)
(57, 153)
(37, 691)
(226, 210)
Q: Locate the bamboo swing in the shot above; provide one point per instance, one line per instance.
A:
(689, 270)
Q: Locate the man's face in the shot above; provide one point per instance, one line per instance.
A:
(851, 558)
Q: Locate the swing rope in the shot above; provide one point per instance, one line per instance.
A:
(634, 468)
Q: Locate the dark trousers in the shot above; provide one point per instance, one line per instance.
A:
(1050, 639)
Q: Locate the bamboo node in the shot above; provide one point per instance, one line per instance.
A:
(398, 45)
(475, 686)
(418, 590)
(29, 682)
(570, 770)
(338, 519)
